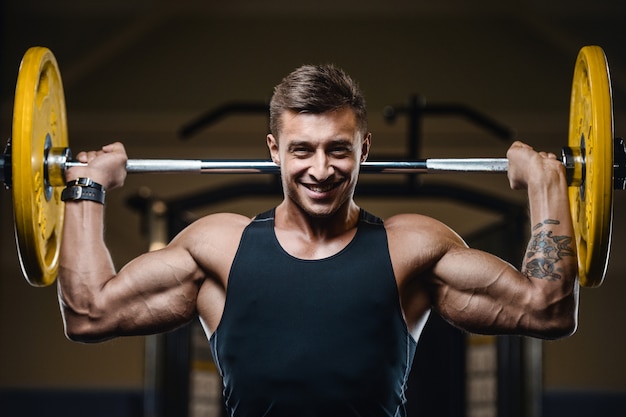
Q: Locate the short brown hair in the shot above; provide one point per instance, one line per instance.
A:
(317, 89)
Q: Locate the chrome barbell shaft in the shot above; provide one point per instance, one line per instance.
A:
(205, 166)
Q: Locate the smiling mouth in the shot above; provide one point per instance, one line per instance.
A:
(323, 188)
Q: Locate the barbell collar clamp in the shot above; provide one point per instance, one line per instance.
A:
(619, 164)
(6, 169)
(573, 159)
(55, 163)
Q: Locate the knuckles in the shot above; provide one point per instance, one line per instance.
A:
(527, 166)
(106, 166)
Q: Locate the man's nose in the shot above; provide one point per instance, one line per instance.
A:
(321, 167)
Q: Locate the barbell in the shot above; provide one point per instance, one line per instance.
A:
(36, 157)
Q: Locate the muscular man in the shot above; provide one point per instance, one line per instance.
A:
(314, 308)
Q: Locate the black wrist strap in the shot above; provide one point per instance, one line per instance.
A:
(85, 182)
(83, 189)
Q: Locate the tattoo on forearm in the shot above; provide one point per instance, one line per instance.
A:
(549, 250)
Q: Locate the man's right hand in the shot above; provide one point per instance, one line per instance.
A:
(106, 166)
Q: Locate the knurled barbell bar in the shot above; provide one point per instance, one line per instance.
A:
(36, 158)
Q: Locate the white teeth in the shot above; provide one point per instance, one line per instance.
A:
(319, 189)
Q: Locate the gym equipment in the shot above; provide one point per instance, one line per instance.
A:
(39, 124)
(591, 193)
(36, 158)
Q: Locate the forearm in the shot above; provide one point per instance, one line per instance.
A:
(550, 261)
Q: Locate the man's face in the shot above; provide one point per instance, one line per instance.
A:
(319, 156)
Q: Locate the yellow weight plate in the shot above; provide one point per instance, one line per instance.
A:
(39, 122)
(591, 129)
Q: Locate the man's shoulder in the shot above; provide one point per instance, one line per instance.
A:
(413, 221)
(212, 240)
(410, 226)
(224, 227)
(417, 243)
(222, 222)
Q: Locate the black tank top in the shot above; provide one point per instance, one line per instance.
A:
(313, 337)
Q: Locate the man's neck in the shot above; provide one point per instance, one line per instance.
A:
(290, 217)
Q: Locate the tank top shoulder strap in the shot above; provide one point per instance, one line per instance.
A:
(264, 216)
(368, 218)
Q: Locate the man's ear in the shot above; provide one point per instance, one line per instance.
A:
(272, 145)
(365, 147)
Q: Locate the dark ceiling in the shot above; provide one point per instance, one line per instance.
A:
(142, 69)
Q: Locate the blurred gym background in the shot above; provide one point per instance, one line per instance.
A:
(442, 79)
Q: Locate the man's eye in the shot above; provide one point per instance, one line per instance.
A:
(340, 151)
(300, 151)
